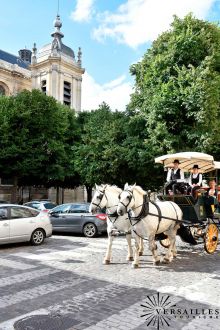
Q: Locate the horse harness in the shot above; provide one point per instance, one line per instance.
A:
(145, 212)
(110, 215)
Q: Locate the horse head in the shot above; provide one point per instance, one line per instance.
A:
(99, 199)
(126, 199)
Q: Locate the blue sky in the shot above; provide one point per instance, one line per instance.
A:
(113, 34)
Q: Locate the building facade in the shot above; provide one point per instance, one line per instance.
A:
(55, 70)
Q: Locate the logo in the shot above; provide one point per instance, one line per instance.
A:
(155, 310)
(159, 311)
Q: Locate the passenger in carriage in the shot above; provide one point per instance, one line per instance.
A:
(195, 181)
(175, 179)
(211, 199)
(212, 191)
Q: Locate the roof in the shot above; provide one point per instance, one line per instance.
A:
(13, 59)
(188, 159)
(46, 50)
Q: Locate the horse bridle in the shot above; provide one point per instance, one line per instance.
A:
(129, 199)
(100, 197)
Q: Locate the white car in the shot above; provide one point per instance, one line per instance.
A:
(20, 223)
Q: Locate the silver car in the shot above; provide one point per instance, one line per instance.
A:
(76, 218)
(19, 223)
(41, 205)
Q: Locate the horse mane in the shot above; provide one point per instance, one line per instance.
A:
(140, 190)
(114, 188)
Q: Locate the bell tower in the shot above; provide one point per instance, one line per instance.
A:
(55, 70)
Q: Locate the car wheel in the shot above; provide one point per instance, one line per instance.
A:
(90, 230)
(37, 237)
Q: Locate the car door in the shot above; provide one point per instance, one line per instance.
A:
(58, 217)
(22, 223)
(76, 216)
(4, 225)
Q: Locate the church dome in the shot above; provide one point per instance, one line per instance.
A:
(46, 51)
(56, 48)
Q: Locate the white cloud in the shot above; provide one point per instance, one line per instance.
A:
(83, 11)
(115, 93)
(139, 21)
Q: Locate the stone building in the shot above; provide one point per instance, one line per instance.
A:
(55, 70)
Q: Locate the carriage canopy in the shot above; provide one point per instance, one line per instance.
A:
(205, 162)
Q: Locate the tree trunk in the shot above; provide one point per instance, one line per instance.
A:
(14, 190)
(89, 193)
(58, 196)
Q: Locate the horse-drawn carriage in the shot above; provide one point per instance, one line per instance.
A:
(201, 217)
(131, 211)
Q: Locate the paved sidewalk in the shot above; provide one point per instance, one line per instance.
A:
(63, 285)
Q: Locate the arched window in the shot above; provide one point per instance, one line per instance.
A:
(2, 90)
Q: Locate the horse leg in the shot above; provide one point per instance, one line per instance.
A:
(130, 250)
(153, 249)
(174, 250)
(107, 258)
(135, 263)
(141, 246)
(171, 252)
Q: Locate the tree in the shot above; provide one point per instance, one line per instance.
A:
(97, 153)
(34, 130)
(177, 88)
(112, 149)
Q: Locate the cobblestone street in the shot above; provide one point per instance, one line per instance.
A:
(64, 285)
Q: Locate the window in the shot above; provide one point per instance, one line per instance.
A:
(61, 209)
(34, 205)
(78, 209)
(44, 86)
(21, 212)
(3, 213)
(7, 181)
(2, 90)
(67, 93)
(49, 206)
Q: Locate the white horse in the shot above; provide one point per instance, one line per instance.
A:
(150, 219)
(108, 196)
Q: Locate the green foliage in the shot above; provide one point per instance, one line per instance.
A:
(35, 134)
(177, 88)
(112, 149)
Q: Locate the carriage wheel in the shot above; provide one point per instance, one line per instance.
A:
(165, 242)
(211, 238)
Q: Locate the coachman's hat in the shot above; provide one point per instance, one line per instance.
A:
(176, 161)
(196, 166)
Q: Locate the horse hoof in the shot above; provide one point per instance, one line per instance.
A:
(140, 253)
(130, 259)
(106, 262)
(134, 265)
(166, 261)
(157, 262)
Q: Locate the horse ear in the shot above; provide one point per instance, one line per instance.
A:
(132, 187)
(126, 186)
(96, 187)
(104, 186)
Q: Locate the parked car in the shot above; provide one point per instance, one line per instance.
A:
(76, 218)
(20, 223)
(41, 205)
